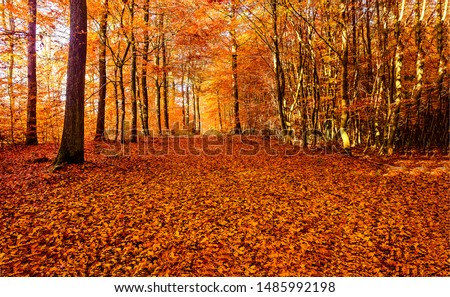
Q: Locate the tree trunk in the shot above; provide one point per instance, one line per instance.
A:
(278, 70)
(345, 101)
(234, 69)
(144, 70)
(183, 110)
(158, 95)
(134, 115)
(442, 70)
(194, 107)
(100, 129)
(122, 105)
(394, 108)
(219, 112)
(11, 66)
(187, 99)
(116, 99)
(420, 61)
(31, 136)
(165, 85)
(197, 105)
(72, 144)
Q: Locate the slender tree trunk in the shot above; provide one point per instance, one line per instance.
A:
(116, 99)
(134, 115)
(278, 70)
(345, 100)
(187, 98)
(234, 69)
(440, 36)
(9, 20)
(183, 110)
(395, 106)
(368, 24)
(420, 61)
(31, 136)
(219, 112)
(144, 69)
(165, 85)
(158, 83)
(158, 95)
(100, 129)
(122, 104)
(197, 105)
(72, 144)
(194, 107)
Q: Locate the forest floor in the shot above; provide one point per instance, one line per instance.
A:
(228, 209)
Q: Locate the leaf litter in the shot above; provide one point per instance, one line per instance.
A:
(222, 215)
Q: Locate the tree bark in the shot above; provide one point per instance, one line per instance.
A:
(72, 144)
(278, 70)
(144, 69)
(442, 70)
(198, 110)
(394, 108)
(165, 85)
(345, 101)
(420, 61)
(234, 69)
(100, 128)
(134, 115)
(158, 95)
(31, 135)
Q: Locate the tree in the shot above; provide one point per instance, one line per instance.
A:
(234, 68)
(100, 130)
(31, 135)
(394, 109)
(133, 137)
(72, 145)
(345, 101)
(144, 69)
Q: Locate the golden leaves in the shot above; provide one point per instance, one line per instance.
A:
(227, 216)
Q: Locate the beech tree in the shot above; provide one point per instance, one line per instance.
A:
(100, 130)
(72, 144)
(31, 135)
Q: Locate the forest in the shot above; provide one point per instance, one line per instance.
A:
(224, 138)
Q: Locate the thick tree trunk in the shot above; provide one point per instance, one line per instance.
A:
(100, 129)
(72, 144)
(31, 136)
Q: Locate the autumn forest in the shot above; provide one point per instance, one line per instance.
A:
(224, 138)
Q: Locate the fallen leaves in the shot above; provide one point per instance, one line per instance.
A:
(226, 215)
